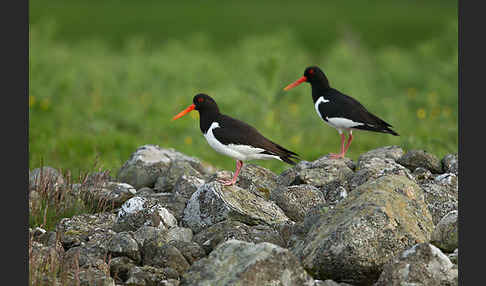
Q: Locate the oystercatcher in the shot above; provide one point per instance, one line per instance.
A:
(339, 110)
(233, 137)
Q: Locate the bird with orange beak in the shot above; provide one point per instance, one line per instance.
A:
(339, 110)
(234, 138)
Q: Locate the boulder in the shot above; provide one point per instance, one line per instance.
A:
(149, 162)
(45, 177)
(107, 195)
(164, 256)
(243, 263)
(139, 211)
(258, 180)
(445, 235)
(387, 152)
(213, 202)
(421, 265)
(297, 200)
(441, 195)
(420, 158)
(353, 241)
(123, 244)
(209, 238)
(450, 164)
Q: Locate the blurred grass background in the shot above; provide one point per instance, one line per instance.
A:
(107, 76)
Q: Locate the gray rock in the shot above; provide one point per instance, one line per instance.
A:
(323, 173)
(149, 162)
(80, 229)
(213, 203)
(242, 263)
(450, 164)
(420, 158)
(120, 267)
(190, 250)
(172, 201)
(176, 169)
(422, 175)
(329, 282)
(42, 259)
(139, 211)
(179, 233)
(386, 152)
(209, 238)
(108, 195)
(445, 235)
(148, 275)
(373, 168)
(45, 178)
(441, 195)
(353, 241)
(297, 200)
(258, 180)
(186, 185)
(423, 264)
(123, 244)
(164, 255)
(147, 233)
(90, 277)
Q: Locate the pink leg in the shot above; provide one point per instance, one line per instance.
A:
(239, 164)
(340, 155)
(350, 138)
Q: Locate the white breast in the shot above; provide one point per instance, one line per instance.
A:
(239, 152)
(316, 105)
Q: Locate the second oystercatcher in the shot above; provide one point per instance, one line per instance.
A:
(339, 110)
(233, 137)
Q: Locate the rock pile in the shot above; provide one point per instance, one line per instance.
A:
(390, 218)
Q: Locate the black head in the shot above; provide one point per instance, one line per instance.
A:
(314, 74)
(204, 102)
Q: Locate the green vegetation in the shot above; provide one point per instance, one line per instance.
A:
(102, 84)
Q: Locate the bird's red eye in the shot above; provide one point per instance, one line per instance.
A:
(311, 71)
(200, 99)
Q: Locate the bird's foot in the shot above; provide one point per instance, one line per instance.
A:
(226, 182)
(336, 156)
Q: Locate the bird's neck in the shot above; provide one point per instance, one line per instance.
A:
(206, 118)
(319, 89)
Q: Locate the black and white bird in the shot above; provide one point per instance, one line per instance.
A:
(340, 110)
(234, 138)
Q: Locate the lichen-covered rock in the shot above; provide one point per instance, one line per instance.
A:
(41, 260)
(420, 158)
(213, 203)
(421, 265)
(119, 268)
(445, 235)
(242, 263)
(190, 250)
(164, 255)
(258, 180)
(329, 282)
(371, 168)
(89, 277)
(108, 195)
(209, 238)
(83, 228)
(450, 164)
(387, 152)
(180, 233)
(323, 173)
(149, 162)
(454, 256)
(123, 244)
(176, 169)
(173, 201)
(353, 241)
(139, 211)
(297, 200)
(45, 177)
(441, 195)
(186, 185)
(148, 275)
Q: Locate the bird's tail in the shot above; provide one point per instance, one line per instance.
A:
(287, 155)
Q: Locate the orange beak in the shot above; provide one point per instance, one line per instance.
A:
(185, 111)
(296, 83)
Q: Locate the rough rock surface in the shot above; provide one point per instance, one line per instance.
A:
(450, 164)
(149, 162)
(109, 195)
(297, 200)
(45, 176)
(242, 263)
(256, 179)
(213, 203)
(139, 211)
(420, 158)
(441, 194)
(445, 235)
(209, 238)
(353, 241)
(423, 264)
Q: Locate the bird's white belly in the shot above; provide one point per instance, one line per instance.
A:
(337, 122)
(239, 152)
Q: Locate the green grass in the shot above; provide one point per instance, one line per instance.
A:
(100, 95)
